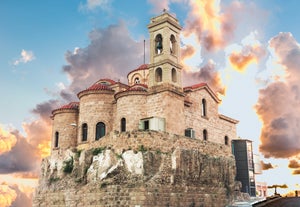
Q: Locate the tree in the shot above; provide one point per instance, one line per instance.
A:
(277, 186)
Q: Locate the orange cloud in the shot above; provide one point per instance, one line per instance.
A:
(7, 141)
(266, 166)
(294, 164)
(7, 195)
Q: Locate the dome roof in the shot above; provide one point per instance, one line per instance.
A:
(141, 67)
(138, 87)
(71, 105)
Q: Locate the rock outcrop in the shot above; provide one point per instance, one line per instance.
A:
(138, 169)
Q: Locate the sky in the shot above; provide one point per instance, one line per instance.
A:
(246, 50)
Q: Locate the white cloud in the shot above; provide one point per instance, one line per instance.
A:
(26, 56)
(94, 4)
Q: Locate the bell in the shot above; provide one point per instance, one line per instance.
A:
(159, 45)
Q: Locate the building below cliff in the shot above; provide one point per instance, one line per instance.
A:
(150, 142)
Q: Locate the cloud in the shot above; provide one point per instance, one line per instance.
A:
(266, 166)
(278, 104)
(95, 4)
(111, 54)
(7, 195)
(7, 140)
(239, 60)
(26, 56)
(207, 74)
(296, 172)
(294, 164)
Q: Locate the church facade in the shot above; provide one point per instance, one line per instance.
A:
(153, 99)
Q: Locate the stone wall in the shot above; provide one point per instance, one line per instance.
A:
(139, 169)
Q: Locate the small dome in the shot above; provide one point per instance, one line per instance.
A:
(138, 87)
(141, 67)
(72, 105)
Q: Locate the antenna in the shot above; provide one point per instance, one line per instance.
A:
(144, 61)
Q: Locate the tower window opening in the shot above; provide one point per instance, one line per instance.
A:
(172, 44)
(203, 112)
(158, 75)
(158, 44)
(100, 130)
(84, 132)
(205, 135)
(123, 125)
(174, 75)
(56, 139)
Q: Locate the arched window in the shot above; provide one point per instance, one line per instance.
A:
(137, 80)
(172, 44)
(56, 139)
(226, 139)
(174, 75)
(158, 75)
(203, 112)
(100, 130)
(123, 125)
(84, 132)
(158, 44)
(205, 134)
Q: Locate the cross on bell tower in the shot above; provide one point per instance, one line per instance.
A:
(164, 64)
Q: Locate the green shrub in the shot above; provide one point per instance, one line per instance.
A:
(98, 150)
(68, 166)
(142, 148)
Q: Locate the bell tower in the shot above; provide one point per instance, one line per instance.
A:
(164, 67)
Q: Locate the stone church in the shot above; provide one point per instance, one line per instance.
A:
(148, 142)
(153, 99)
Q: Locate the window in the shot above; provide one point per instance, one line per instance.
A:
(189, 133)
(203, 112)
(123, 125)
(172, 44)
(205, 134)
(100, 130)
(136, 80)
(56, 139)
(226, 140)
(158, 44)
(158, 75)
(84, 132)
(146, 125)
(174, 75)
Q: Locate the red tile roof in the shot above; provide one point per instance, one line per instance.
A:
(199, 85)
(138, 87)
(71, 105)
(107, 80)
(141, 67)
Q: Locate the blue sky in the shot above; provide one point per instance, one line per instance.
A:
(51, 49)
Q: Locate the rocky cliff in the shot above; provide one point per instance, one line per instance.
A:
(138, 169)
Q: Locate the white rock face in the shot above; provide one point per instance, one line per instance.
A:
(102, 165)
(134, 162)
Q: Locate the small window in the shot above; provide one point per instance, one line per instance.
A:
(174, 75)
(189, 133)
(56, 139)
(226, 139)
(100, 130)
(84, 132)
(203, 112)
(123, 125)
(136, 80)
(158, 75)
(205, 135)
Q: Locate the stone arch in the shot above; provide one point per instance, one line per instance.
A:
(173, 45)
(100, 130)
(174, 75)
(158, 75)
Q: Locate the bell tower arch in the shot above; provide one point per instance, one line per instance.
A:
(164, 67)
